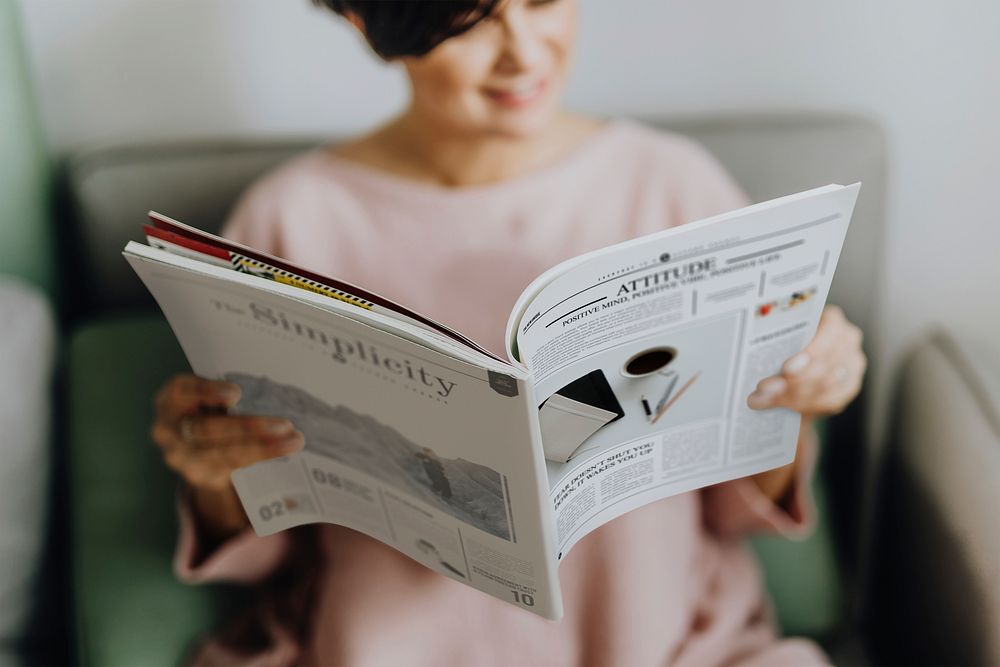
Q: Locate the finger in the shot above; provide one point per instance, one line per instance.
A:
(210, 479)
(790, 391)
(800, 399)
(239, 455)
(832, 392)
(832, 330)
(164, 434)
(843, 362)
(186, 393)
(211, 467)
(777, 393)
(841, 391)
(809, 391)
(832, 401)
(216, 431)
(222, 429)
(806, 376)
(809, 381)
(767, 390)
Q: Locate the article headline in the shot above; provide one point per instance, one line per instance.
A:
(600, 467)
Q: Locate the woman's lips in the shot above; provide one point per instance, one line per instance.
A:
(517, 96)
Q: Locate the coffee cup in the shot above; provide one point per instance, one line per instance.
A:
(649, 361)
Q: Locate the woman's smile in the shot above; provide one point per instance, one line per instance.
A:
(518, 95)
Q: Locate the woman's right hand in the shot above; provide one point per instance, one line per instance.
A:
(204, 445)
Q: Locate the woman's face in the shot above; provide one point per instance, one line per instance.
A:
(504, 77)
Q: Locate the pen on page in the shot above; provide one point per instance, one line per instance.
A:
(680, 392)
(667, 393)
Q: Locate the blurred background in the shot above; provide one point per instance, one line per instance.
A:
(929, 72)
(93, 73)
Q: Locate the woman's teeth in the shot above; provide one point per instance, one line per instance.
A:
(518, 94)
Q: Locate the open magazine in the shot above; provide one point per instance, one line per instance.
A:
(626, 382)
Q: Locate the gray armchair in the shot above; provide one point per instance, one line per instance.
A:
(936, 587)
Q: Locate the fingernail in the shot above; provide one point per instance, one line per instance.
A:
(230, 392)
(797, 363)
(294, 442)
(766, 391)
(772, 386)
(279, 427)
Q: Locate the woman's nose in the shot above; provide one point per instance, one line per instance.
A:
(521, 48)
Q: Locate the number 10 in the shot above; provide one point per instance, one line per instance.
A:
(524, 598)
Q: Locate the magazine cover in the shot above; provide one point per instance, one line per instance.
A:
(434, 456)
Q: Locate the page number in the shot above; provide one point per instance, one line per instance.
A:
(524, 598)
(271, 510)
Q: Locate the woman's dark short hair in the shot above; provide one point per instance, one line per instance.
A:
(397, 28)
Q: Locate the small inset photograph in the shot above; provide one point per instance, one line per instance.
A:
(643, 387)
(466, 490)
(786, 303)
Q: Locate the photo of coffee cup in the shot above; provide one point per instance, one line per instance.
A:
(649, 361)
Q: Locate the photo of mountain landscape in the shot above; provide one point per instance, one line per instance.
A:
(468, 491)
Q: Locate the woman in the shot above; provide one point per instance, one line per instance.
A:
(484, 172)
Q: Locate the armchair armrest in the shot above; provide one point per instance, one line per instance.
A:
(937, 578)
(27, 358)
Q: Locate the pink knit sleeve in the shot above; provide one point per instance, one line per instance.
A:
(243, 558)
(738, 507)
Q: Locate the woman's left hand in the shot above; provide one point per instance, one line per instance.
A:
(824, 377)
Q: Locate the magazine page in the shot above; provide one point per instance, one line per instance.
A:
(349, 306)
(434, 456)
(176, 237)
(643, 354)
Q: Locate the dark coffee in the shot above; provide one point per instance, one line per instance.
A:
(650, 361)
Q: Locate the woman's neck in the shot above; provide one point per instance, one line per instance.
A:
(412, 148)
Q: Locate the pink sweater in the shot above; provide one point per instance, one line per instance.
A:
(669, 584)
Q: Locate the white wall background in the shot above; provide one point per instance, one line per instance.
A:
(122, 70)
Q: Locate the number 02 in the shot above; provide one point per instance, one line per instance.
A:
(268, 512)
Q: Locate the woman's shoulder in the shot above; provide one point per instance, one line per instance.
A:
(665, 148)
(306, 174)
(690, 174)
(300, 189)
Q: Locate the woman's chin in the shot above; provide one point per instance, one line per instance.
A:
(521, 123)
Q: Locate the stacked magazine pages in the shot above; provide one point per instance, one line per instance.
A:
(625, 382)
